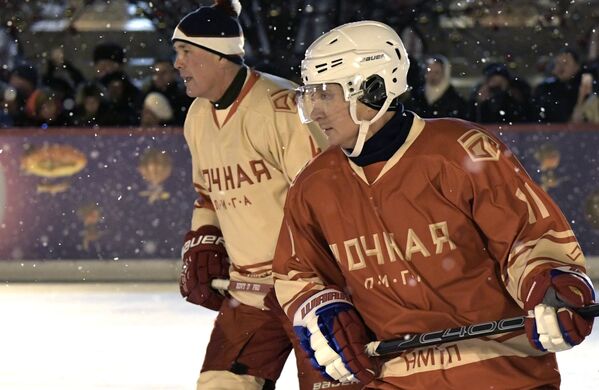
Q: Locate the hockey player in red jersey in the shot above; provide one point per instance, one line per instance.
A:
(247, 143)
(408, 225)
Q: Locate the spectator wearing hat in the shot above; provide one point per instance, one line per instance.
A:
(167, 82)
(124, 98)
(45, 108)
(499, 98)
(556, 96)
(156, 111)
(437, 98)
(108, 58)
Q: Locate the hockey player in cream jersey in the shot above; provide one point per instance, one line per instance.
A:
(247, 144)
(244, 158)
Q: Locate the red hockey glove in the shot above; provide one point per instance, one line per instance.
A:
(550, 324)
(334, 337)
(204, 259)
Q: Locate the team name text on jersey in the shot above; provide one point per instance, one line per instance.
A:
(231, 177)
(355, 250)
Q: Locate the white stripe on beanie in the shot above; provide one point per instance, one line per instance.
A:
(224, 45)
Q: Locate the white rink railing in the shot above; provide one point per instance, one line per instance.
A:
(121, 270)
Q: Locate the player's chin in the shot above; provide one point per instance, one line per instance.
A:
(192, 93)
(335, 141)
(190, 88)
(333, 138)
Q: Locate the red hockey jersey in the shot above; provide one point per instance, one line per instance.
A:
(449, 233)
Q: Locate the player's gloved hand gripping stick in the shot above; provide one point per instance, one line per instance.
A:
(561, 307)
(395, 346)
(204, 259)
(410, 341)
(330, 332)
(333, 335)
(552, 300)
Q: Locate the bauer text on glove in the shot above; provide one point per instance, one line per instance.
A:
(204, 259)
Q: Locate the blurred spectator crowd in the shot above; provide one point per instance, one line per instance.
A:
(567, 93)
(59, 94)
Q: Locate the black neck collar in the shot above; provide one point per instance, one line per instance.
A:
(386, 141)
(233, 91)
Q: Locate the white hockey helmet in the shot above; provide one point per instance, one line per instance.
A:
(368, 60)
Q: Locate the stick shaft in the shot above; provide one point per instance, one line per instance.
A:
(232, 285)
(388, 347)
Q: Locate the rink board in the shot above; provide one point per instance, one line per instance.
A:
(113, 204)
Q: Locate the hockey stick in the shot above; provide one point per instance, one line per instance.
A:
(231, 285)
(418, 340)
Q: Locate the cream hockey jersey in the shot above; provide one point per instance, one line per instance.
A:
(242, 170)
(449, 233)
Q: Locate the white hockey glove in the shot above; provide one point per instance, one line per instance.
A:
(333, 335)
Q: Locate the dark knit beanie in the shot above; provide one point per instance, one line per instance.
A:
(215, 29)
(109, 51)
(496, 69)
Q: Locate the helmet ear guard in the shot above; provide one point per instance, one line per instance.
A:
(373, 90)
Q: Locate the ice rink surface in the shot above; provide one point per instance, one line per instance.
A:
(140, 336)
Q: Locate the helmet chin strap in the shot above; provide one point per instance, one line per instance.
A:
(364, 125)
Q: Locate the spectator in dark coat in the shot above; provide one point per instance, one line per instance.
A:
(92, 107)
(437, 98)
(498, 99)
(124, 98)
(57, 67)
(556, 96)
(108, 58)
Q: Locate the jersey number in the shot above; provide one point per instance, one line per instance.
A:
(532, 217)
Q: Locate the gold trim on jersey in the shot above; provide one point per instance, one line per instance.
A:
(551, 248)
(256, 270)
(288, 292)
